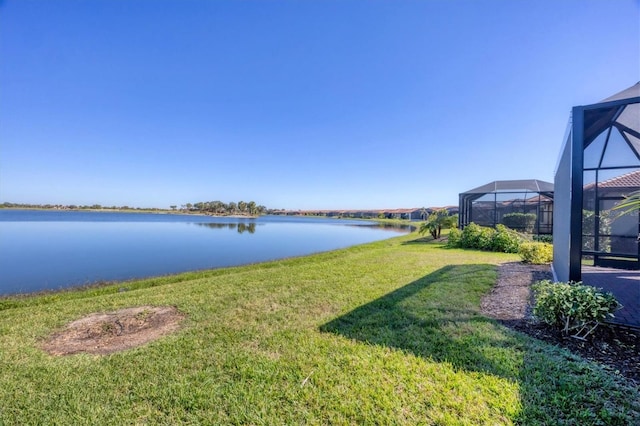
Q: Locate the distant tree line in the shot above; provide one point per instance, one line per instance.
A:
(8, 205)
(207, 207)
(220, 208)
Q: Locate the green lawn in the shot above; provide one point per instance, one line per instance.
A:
(383, 333)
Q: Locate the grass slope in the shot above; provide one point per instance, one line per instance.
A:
(383, 333)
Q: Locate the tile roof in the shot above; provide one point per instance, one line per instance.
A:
(627, 180)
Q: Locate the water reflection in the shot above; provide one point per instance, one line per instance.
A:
(394, 227)
(241, 227)
(250, 227)
(386, 227)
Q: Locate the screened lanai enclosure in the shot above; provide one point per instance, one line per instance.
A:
(524, 205)
(599, 167)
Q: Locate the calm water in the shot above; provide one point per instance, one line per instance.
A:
(54, 249)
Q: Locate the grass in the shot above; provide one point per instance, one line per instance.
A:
(382, 333)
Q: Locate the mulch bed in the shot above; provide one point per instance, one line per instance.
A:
(615, 348)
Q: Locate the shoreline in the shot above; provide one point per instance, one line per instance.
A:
(172, 212)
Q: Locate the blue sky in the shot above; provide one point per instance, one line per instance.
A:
(297, 104)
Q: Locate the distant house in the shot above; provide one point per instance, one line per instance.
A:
(419, 214)
(416, 214)
(488, 204)
(407, 214)
(452, 210)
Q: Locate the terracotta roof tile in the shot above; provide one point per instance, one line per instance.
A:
(627, 180)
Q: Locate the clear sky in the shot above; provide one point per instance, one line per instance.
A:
(297, 104)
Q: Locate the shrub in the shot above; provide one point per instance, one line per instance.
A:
(536, 253)
(589, 228)
(524, 222)
(500, 239)
(455, 235)
(477, 237)
(543, 238)
(505, 240)
(573, 307)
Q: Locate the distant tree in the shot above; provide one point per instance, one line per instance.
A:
(173, 207)
(216, 206)
(252, 208)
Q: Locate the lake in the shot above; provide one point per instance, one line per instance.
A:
(49, 249)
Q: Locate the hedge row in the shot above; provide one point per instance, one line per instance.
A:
(501, 239)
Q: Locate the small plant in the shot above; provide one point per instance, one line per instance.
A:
(574, 308)
(536, 253)
(143, 315)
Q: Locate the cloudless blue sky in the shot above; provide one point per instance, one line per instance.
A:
(297, 104)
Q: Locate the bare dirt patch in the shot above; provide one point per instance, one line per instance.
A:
(510, 298)
(104, 333)
(510, 301)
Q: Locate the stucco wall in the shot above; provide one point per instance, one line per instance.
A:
(562, 213)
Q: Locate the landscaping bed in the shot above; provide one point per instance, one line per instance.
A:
(615, 348)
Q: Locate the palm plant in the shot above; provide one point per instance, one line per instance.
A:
(629, 204)
(436, 221)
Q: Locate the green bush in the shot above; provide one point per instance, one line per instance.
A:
(543, 238)
(484, 238)
(500, 239)
(572, 307)
(589, 229)
(524, 222)
(455, 235)
(505, 240)
(477, 237)
(536, 253)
